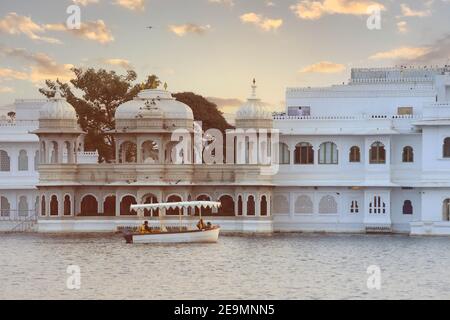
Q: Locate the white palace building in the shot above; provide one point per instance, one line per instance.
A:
(372, 155)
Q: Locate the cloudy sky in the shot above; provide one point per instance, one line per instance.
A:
(216, 47)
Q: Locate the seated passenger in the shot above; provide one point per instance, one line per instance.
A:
(144, 228)
(201, 224)
(209, 226)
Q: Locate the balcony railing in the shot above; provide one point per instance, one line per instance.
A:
(359, 117)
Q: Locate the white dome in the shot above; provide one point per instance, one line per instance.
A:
(58, 108)
(154, 102)
(253, 108)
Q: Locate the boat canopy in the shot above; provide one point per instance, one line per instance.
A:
(177, 205)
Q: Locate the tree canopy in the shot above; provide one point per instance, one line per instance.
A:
(98, 93)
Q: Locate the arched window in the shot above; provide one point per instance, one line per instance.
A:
(89, 206)
(304, 205)
(446, 148)
(36, 160)
(263, 206)
(284, 155)
(251, 205)
(54, 152)
(109, 206)
(377, 153)
(408, 154)
(354, 207)
(304, 153)
(407, 207)
(281, 204)
(54, 205)
(125, 206)
(175, 211)
(328, 153)
(23, 206)
(227, 208)
(328, 205)
(5, 163)
(127, 152)
(5, 207)
(149, 199)
(43, 206)
(23, 160)
(240, 206)
(355, 154)
(446, 210)
(205, 211)
(150, 152)
(67, 205)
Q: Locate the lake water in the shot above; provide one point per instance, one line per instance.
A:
(292, 266)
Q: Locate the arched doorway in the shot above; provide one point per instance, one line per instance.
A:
(67, 205)
(227, 208)
(54, 205)
(263, 207)
(43, 207)
(204, 211)
(240, 206)
(251, 205)
(125, 206)
(446, 210)
(149, 199)
(89, 206)
(109, 206)
(176, 211)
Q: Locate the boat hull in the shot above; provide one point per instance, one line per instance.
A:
(195, 236)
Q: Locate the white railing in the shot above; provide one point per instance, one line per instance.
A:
(360, 117)
(19, 123)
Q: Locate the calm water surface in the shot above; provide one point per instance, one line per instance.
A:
(290, 266)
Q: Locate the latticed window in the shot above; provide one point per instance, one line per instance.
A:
(281, 204)
(328, 153)
(304, 153)
(377, 153)
(354, 207)
(355, 154)
(328, 205)
(23, 206)
(304, 205)
(5, 163)
(408, 154)
(23, 160)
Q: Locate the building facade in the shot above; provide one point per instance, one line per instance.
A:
(19, 162)
(372, 155)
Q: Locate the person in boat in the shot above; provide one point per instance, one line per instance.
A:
(209, 226)
(201, 224)
(145, 228)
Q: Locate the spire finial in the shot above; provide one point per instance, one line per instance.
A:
(165, 86)
(57, 90)
(254, 88)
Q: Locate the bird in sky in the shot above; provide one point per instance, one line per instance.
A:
(149, 27)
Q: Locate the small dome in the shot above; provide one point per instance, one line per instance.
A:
(58, 108)
(154, 103)
(253, 108)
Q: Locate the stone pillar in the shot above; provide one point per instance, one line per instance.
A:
(258, 198)
(117, 205)
(244, 205)
(60, 197)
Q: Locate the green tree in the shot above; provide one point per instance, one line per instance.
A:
(204, 111)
